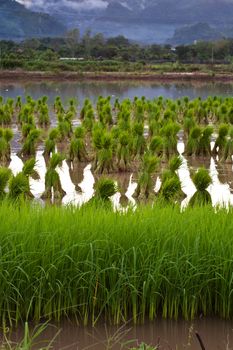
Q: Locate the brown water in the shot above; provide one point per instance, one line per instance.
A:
(216, 334)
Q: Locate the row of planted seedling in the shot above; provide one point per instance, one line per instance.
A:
(115, 137)
(132, 125)
(188, 112)
(17, 187)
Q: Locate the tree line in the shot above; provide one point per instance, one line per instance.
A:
(98, 48)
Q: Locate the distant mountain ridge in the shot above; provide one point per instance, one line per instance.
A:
(17, 22)
(164, 11)
(140, 20)
(197, 32)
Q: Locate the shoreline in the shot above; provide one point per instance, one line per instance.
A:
(20, 75)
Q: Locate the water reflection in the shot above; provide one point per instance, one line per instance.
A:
(38, 186)
(77, 180)
(87, 186)
(220, 193)
(217, 334)
(121, 89)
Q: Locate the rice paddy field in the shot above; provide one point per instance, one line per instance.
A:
(115, 210)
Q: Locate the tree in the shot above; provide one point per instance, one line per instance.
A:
(72, 40)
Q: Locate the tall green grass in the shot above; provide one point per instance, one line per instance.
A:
(93, 264)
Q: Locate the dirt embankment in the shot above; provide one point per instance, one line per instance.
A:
(168, 76)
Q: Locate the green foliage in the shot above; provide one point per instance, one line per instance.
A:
(156, 145)
(145, 181)
(105, 188)
(123, 150)
(175, 163)
(221, 140)
(29, 146)
(5, 174)
(123, 266)
(201, 180)
(77, 149)
(52, 179)
(19, 188)
(29, 168)
(170, 189)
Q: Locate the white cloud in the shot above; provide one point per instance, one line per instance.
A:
(76, 5)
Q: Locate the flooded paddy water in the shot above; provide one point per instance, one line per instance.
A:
(120, 89)
(78, 181)
(161, 334)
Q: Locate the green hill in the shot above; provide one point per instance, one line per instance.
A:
(197, 32)
(17, 22)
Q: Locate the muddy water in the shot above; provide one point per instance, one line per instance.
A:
(170, 335)
(125, 89)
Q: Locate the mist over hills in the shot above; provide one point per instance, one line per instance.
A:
(17, 22)
(141, 20)
(164, 11)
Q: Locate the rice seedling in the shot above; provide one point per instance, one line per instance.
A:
(29, 145)
(138, 142)
(221, 140)
(123, 151)
(201, 180)
(19, 187)
(145, 181)
(104, 156)
(43, 117)
(27, 127)
(104, 189)
(139, 111)
(156, 146)
(53, 188)
(104, 109)
(228, 152)
(6, 114)
(64, 127)
(188, 123)
(77, 148)
(169, 133)
(170, 190)
(58, 107)
(18, 103)
(193, 141)
(72, 106)
(5, 175)
(6, 135)
(204, 148)
(50, 142)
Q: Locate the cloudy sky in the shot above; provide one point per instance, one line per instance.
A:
(75, 4)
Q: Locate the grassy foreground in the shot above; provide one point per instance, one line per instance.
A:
(92, 263)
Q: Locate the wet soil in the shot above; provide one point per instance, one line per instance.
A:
(113, 76)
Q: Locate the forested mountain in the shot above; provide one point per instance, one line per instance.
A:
(17, 22)
(139, 20)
